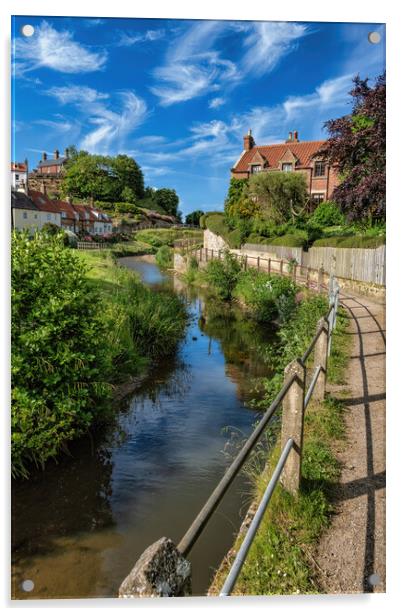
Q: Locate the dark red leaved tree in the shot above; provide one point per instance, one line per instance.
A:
(356, 145)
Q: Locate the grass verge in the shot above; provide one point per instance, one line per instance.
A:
(281, 559)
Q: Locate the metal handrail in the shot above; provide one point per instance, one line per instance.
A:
(213, 501)
(310, 389)
(259, 514)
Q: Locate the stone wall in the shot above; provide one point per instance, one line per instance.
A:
(214, 242)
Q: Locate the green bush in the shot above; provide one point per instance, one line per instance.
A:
(327, 213)
(348, 241)
(269, 297)
(164, 257)
(295, 240)
(223, 275)
(58, 349)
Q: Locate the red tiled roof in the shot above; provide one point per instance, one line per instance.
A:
(64, 206)
(302, 150)
(42, 202)
(18, 167)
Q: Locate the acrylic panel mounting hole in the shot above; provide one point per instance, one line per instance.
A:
(374, 37)
(27, 30)
(28, 585)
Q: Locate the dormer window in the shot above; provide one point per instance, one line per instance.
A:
(255, 168)
(319, 169)
(287, 167)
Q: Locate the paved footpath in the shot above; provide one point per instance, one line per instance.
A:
(351, 554)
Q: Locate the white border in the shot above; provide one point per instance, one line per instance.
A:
(340, 11)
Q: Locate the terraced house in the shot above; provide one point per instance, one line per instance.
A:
(290, 156)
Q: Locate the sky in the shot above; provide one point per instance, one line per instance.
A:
(178, 95)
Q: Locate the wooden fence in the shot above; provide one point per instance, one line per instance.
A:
(91, 246)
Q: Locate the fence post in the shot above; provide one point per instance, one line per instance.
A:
(245, 263)
(161, 571)
(320, 359)
(258, 263)
(281, 267)
(212, 253)
(320, 281)
(292, 425)
(269, 266)
(308, 277)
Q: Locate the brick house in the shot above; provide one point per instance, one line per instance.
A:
(291, 156)
(53, 166)
(69, 216)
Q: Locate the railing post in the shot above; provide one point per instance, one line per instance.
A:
(160, 571)
(269, 266)
(320, 359)
(258, 263)
(292, 425)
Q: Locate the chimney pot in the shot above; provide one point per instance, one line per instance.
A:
(44, 156)
(296, 136)
(56, 154)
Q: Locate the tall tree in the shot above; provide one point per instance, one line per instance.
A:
(127, 174)
(194, 218)
(356, 145)
(280, 196)
(167, 199)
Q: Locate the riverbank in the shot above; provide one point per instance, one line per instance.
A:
(281, 559)
(82, 328)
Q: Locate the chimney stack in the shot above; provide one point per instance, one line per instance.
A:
(248, 141)
(56, 154)
(295, 136)
(44, 156)
(290, 137)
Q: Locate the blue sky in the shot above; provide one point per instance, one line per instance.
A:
(178, 95)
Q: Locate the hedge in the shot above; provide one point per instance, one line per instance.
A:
(353, 241)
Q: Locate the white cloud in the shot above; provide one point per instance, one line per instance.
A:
(113, 122)
(76, 94)
(192, 66)
(214, 103)
(267, 43)
(128, 39)
(114, 126)
(57, 50)
(57, 127)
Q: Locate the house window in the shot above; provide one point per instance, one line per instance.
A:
(17, 177)
(287, 167)
(255, 168)
(317, 198)
(48, 216)
(25, 215)
(63, 215)
(36, 217)
(319, 169)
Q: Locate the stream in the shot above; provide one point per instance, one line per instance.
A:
(79, 526)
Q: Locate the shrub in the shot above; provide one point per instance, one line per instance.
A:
(164, 257)
(295, 240)
(58, 349)
(350, 241)
(269, 297)
(223, 275)
(326, 214)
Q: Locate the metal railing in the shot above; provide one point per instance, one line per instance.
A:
(294, 396)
